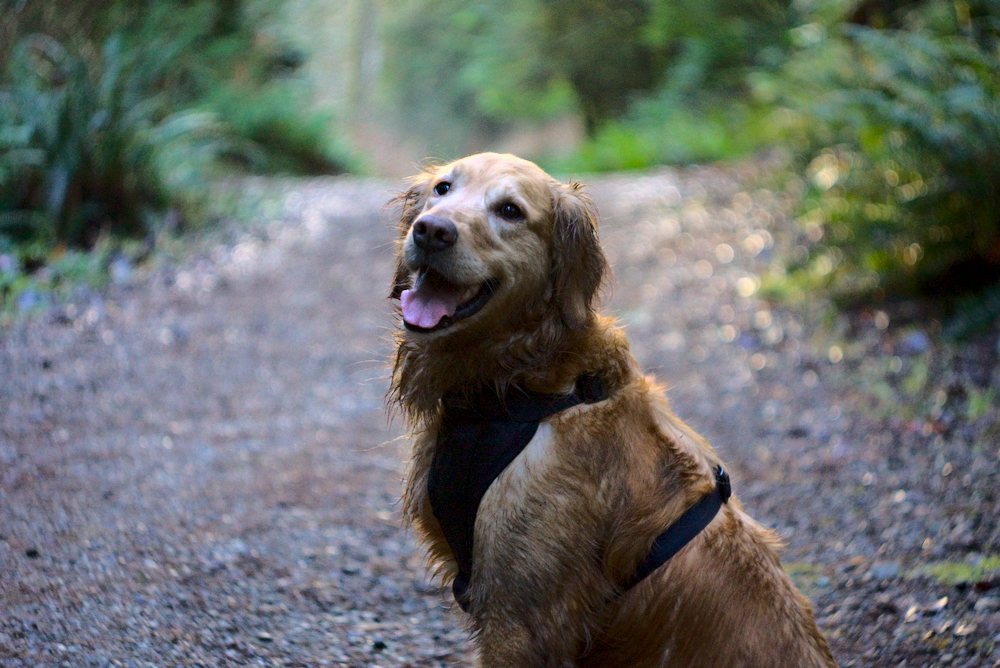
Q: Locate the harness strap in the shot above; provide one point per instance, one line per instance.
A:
(518, 404)
(480, 435)
(683, 531)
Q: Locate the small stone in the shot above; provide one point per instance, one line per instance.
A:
(32, 553)
(987, 604)
(378, 646)
(963, 630)
(984, 585)
(264, 636)
(120, 270)
(28, 300)
(884, 570)
(915, 343)
(937, 605)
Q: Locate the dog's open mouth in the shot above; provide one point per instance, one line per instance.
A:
(434, 302)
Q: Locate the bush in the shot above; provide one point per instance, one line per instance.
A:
(89, 145)
(906, 191)
(114, 115)
(272, 131)
(706, 104)
(657, 132)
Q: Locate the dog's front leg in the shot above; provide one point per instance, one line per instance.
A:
(538, 611)
(504, 643)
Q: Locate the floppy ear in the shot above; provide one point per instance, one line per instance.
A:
(411, 203)
(578, 263)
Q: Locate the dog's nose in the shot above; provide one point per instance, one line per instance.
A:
(431, 234)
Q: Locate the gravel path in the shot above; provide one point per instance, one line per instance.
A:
(196, 469)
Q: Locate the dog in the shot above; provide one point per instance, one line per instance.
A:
(577, 519)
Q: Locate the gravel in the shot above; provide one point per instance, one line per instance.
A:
(195, 466)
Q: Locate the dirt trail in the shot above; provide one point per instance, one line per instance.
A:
(197, 469)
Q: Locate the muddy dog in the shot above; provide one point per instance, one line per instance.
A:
(577, 519)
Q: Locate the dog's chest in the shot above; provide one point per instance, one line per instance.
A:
(523, 508)
(491, 452)
(474, 457)
(484, 488)
(512, 488)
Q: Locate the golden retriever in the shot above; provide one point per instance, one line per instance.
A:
(497, 269)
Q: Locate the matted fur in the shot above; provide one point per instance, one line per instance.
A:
(567, 523)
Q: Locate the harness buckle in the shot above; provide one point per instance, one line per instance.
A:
(722, 482)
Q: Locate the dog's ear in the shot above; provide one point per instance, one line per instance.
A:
(578, 263)
(410, 203)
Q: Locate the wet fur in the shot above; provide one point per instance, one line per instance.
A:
(561, 529)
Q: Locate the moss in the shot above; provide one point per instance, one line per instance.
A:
(809, 578)
(957, 572)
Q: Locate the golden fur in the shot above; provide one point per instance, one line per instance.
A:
(568, 522)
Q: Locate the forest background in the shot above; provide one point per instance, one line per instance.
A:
(114, 117)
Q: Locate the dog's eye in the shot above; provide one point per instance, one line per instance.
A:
(510, 211)
(442, 188)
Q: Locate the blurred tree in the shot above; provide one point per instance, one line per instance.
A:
(712, 44)
(484, 64)
(364, 19)
(882, 13)
(607, 51)
(456, 68)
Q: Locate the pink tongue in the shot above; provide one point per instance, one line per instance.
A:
(425, 306)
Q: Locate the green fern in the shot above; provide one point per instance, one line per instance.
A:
(910, 190)
(88, 141)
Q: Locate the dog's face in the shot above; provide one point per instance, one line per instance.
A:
(487, 240)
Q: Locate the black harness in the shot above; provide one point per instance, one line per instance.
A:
(482, 433)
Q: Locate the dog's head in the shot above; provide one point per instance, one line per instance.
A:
(490, 242)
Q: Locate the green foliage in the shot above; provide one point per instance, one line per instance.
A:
(89, 146)
(228, 62)
(272, 132)
(958, 572)
(657, 132)
(710, 102)
(640, 74)
(906, 186)
(113, 116)
(450, 68)
(603, 51)
(713, 45)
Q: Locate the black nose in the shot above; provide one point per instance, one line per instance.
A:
(431, 234)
